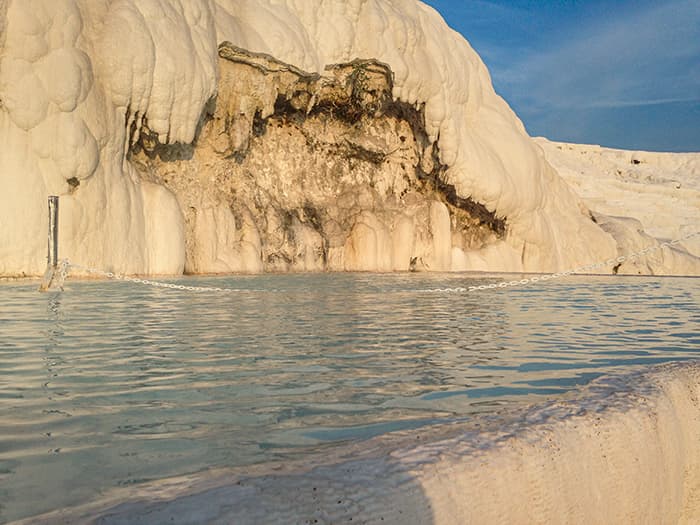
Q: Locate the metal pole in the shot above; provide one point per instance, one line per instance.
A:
(53, 232)
(52, 256)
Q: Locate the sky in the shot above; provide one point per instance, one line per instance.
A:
(619, 73)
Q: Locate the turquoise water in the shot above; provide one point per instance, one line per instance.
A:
(112, 384)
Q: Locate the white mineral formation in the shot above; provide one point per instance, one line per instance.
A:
(658, 193)
(252, 135)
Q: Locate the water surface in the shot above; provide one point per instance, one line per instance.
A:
(112, 384)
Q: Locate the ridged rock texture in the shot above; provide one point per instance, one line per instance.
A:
(235, 135)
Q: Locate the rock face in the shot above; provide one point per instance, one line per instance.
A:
(373, 140)
(312, 172)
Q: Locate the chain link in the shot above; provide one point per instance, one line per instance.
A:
(66, 266)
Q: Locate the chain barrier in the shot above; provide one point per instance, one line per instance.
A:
(580, 270)
(148, 282)
(66, 266)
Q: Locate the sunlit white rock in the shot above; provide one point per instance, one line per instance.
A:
(76, 75)
(633, 191)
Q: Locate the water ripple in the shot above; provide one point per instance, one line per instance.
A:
(110, 384)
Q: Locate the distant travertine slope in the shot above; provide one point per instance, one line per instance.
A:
(634, 191)
(282, 135)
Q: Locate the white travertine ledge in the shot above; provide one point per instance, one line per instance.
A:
(624, 450)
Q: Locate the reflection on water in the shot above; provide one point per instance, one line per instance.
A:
(110, 384)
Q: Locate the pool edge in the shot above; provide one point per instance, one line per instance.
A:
(625, 449)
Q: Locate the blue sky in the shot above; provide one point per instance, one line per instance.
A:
(622, 73)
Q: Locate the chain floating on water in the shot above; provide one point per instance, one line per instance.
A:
(580, 270)
(149, 282)
(65, 266)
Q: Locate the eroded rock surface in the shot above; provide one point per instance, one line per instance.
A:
(300, 171)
